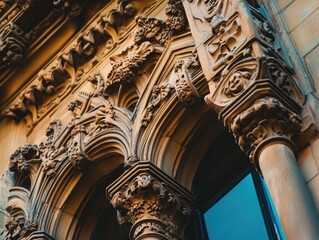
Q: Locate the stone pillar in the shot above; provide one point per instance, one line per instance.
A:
(289, 193)
(254, 91)
(264, 131)
(153, 204)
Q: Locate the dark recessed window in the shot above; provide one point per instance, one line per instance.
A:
(232, 202)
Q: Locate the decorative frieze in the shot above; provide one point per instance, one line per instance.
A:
(154, 204)
(62, 75)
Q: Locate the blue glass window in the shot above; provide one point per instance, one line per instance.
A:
(237, 215)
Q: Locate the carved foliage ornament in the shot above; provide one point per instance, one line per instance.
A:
(23, 157)
(17, 229)
(175, 15)
(125, 65)
(183, 71)
(159, 94)
(50, 153)
(61, 75)
(150, 29)
(266, 120)
(146, 198)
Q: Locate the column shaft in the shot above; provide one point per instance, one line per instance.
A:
(289, 192)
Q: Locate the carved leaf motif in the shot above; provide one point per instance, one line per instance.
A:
(104, 117)
(22, 158)
(126, 65)
(150, 29)
(159, 94)
(176, 18)
(62, 76)
(151, 204)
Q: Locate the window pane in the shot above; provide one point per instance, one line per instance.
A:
(277, 225)
(237, 215)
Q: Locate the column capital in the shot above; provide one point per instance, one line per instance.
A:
(155, 205)
(266, 122)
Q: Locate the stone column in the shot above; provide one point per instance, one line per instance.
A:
(265, 132)
(254, 91)
(153, 204)
(289, 193)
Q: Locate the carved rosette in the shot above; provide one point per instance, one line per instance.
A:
(152, 202)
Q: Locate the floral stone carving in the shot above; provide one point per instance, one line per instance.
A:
(150, 201)
(159, 94)
(183, 71)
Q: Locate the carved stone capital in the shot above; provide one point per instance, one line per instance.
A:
(265, 122)
(154, 204)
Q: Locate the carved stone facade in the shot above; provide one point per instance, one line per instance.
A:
(130, 97)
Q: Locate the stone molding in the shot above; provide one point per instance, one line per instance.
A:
(63, 74)
(153, 203)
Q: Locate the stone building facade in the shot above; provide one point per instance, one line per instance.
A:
(135, 119)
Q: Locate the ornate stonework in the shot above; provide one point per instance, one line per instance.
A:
(159, 94)
(13, 44)
(148, 199)
(62, 75)
(250, 84)
(183, 72)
